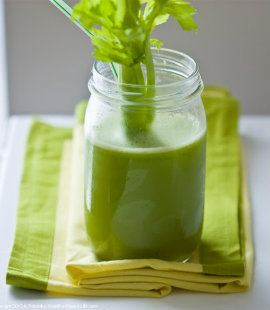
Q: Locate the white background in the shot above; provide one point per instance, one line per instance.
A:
(50, 59)
(3, 79)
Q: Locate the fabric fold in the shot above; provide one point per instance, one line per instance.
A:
(30, 259)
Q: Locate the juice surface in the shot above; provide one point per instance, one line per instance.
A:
(145, 202)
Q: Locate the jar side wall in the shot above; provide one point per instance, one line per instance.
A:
(145, 200)
(144, 190)
(105, 125)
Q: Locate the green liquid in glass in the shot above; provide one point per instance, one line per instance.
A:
(145, 202)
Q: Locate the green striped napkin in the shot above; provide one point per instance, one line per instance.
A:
(51, 253)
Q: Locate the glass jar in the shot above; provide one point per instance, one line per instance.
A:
(144, 187)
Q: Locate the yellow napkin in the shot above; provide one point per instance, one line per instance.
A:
(74, 269)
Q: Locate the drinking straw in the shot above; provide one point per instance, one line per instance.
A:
(67, 10)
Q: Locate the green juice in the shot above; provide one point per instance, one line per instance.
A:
(145, 202)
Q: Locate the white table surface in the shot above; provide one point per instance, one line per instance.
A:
(255, 133)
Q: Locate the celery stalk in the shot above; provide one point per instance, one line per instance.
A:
(121, 33)
(138, 118)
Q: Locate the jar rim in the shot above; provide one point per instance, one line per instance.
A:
(186, 79)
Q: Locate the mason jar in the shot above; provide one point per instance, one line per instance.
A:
(144, 184)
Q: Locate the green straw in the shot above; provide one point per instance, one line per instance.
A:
(67, 10)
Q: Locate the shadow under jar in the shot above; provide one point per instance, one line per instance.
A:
(144, 186)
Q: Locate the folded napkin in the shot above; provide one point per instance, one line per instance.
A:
(51, 251)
